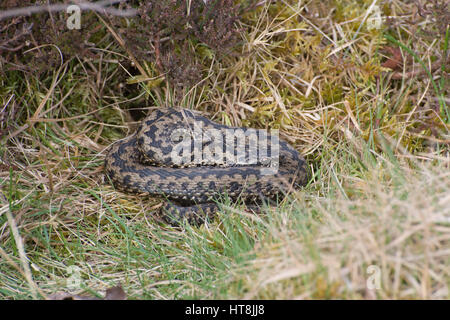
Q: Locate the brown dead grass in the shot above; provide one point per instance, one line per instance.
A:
(401, 232)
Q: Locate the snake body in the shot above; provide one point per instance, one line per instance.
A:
(143, 163)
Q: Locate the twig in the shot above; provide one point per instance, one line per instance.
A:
(99, 6)
(25, 271)
(122, 44)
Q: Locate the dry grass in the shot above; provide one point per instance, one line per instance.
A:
(377, 141)
(399, 230)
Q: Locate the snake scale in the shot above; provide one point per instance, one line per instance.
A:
(154, 161)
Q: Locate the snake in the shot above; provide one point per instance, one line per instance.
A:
(193, 162)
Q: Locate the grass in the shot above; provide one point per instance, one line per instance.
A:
(374, 214)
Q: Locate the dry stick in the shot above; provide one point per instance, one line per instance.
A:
(99, 6)
(37, 114)
(26, 272)
(17, 267)
(122, 44)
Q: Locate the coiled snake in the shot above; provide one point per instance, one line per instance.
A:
(191, 161)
